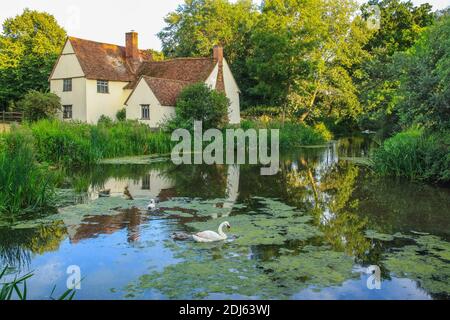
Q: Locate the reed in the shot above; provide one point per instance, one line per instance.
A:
(416, 155)
(25, 185)
(78, 144)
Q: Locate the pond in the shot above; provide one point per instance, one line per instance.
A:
(313, 231)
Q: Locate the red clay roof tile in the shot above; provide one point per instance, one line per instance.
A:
(104, 61)
(166, 90)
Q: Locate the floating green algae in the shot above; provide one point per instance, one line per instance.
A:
(427, 263)
(212, 208)
(222, 269)
(198, 279)
(136, 160)
(274, 225)
(313, 266)
(371, 234)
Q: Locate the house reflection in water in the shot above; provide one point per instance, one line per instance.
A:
(153, 185)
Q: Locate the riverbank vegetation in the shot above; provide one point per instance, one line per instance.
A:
(339, 73)
(73, 144)
(25, 184)
(415, 154)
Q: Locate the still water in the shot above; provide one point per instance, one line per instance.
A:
(309, 232)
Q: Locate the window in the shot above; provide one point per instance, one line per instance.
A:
(67, 85)
(102, 86)
(67, 112)
(146, 182)
(145, 108)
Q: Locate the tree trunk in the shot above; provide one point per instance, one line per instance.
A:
(311, 105)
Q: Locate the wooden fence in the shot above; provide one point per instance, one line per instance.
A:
(10, 117)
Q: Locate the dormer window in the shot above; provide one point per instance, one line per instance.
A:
(102, 86)
(67, 85)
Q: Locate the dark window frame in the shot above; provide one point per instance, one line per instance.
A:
(67, 85)
(103, 86)
(68, 114)
(145, 107)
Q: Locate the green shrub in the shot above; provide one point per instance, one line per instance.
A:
(121, 115)
(198, 102)
(38, 105)
(416, 155)
(25, 185)
(105, 120)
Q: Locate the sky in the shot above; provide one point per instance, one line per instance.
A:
(108, 20)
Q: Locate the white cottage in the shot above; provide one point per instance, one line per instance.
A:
(94, 79)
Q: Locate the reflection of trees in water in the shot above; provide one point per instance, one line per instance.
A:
(18, 245)
(202, 181)
(325, 192)
(393, 205)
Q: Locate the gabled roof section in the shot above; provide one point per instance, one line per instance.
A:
(166, 90)
(104, 61)
(190, 70)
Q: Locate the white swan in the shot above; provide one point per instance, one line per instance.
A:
(211, 236)
(151, 205)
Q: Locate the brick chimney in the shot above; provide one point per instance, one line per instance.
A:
(131, 48)
(218, 58)
(218, 54)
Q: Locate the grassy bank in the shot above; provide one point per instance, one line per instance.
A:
(416, 155)
(293, 134)
(78, 144)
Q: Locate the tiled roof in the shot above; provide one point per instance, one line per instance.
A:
(166, 90)
(182, 69)
(104, 61)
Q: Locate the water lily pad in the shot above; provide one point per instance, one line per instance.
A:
(427, 263)
(379, 236)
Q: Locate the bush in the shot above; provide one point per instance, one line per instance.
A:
(198, 102)
(260, 111)
(37, 105)
(121, 115)
(24, 184)
(104, 120)
(416, 155)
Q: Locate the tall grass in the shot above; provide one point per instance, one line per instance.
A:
(79, 144)
(416, 155)
(25, 185)
(293, 134)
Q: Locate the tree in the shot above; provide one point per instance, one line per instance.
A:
(197, 25)
(198, 102)
(425, 79)
(29, 46)
(304, 55)
(37, 105)
(400, 27)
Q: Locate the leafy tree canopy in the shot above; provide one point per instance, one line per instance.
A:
(425, 79)
(29, 46)
(304, 55)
